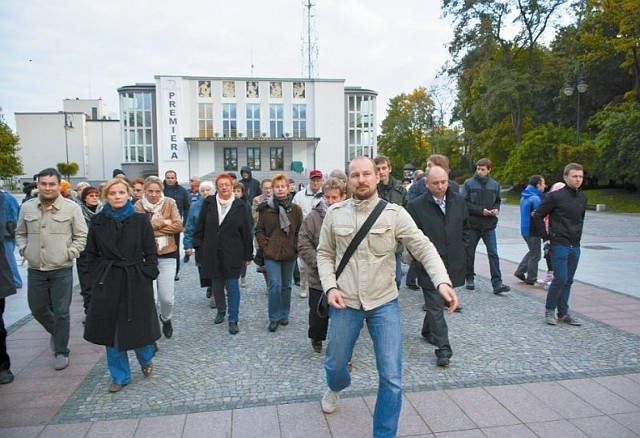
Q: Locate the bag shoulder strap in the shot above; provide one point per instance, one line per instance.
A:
(360, 235)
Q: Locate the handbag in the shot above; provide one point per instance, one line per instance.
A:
(323, 304)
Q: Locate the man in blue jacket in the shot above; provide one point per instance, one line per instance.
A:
(482, 194)
(530, 199)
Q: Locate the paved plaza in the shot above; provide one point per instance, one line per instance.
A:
(511, 374)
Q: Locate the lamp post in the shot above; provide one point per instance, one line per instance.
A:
(68, 124)
(582, 88)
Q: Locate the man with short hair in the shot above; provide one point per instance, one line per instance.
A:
(482, 194)
(441, 214)
(366, 290)
(308, 199)
(51, 233)
(566, 209)
(391, 190)
(530, 199)
(179, 194)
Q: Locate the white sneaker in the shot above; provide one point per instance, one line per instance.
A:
(303, 293)
(61, 362)
(329, 401)
(243, 282)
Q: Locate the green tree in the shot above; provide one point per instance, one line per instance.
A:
(10, 163)
(406, 130)
(619, 144)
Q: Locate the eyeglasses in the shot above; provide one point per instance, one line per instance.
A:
(224, 186)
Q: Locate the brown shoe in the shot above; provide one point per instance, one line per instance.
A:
(115, 387)
(148, 370)
(317, 346)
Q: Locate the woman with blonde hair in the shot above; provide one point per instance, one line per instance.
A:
(165, 220)
(279, 221)
(122, 260)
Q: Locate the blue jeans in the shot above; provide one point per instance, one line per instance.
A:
(564, 260)
(233, 297)
(118, 363)
(280, 274)
(529, 263)
(385, 329)
(491, 243)
(49, 297)
(9, 248)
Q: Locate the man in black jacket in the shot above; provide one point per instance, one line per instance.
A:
(566, 209)
(442, 216)
(482, 194)
(179, 194)
(391, 190)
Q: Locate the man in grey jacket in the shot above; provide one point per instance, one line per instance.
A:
(51, 233)
(367, 290)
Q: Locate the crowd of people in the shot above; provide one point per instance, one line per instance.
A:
(341, 240)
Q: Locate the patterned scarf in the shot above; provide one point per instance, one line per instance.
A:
(283, 207)
(154, 209)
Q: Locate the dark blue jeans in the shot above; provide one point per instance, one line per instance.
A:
(49, 299)
(565, 262)
(491, 243)
(232, 298)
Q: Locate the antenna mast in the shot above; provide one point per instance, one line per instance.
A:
(309, 40)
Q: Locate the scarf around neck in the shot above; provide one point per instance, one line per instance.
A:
(282, 207)
(154, 209)
(118, 213)
(223, 207)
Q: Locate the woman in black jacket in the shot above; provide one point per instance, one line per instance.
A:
(123, 262)
(224, 244)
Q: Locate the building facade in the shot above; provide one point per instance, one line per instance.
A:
(81, 134)
(205, 125)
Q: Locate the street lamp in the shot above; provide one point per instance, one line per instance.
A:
(68, 124)
(582, 88)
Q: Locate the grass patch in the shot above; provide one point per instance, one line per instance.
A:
(616, 200)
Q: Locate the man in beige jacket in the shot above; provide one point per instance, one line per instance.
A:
(367, 290)
(50, 234)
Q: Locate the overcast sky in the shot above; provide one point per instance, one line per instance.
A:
(51, 50)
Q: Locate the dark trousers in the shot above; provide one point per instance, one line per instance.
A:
(412, 273)
(49, 299)
(177, 238)
(85, 279)
(5, 361)
(491, 244)
(434, 325)
(317, 326)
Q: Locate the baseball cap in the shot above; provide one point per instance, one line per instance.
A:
(315, 174)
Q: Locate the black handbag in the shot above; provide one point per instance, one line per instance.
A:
(323, 305)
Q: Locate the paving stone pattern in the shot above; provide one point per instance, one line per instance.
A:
(497, 340)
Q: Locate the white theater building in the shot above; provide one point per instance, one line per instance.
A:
(205, 125)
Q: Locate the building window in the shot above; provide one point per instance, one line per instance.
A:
(276, 159)
(253, 158)
(253, 120)
(229, 119)
(299, 120)
(276, 120)
(205, 120)
(230, 158)
(138, 128)
(361, 122)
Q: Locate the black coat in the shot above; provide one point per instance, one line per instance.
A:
(222, 249)
(448, 233)
(123, 263)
